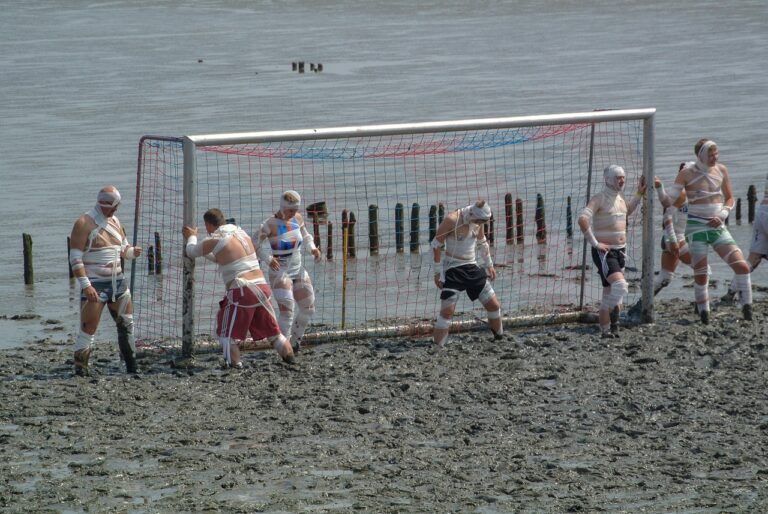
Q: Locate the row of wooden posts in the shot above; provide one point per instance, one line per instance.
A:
(299, 66)
(318, 213)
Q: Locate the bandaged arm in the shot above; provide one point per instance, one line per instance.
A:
(78, 268)
(669, 224)
(307, 238)
(484, 254)
(263, 250)
(437, 265)
(195, 249)
(585, 224)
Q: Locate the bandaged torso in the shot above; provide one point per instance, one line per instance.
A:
(609, 221)
(231, 271)
(460, 245)
(285, 238)
(101, 257)
(705, 192)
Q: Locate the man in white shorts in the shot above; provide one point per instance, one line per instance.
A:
(758, 249)
(97, 245)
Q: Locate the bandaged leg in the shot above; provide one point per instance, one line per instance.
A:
(125, 340)
(604, 312)
(305, 298)
(83, 345)
(662, 281)
(448, 300)
(488, 298)
(282, 346)
(286, 305)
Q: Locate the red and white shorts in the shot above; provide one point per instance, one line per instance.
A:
(241, 312)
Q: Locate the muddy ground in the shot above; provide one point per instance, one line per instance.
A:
(672, 417)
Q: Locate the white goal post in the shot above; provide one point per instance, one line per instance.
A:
(387, 186)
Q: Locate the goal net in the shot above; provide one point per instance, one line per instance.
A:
(392, 184)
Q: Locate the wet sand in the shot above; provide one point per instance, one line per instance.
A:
(672, 417)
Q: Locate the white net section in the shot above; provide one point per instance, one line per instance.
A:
(398, 188)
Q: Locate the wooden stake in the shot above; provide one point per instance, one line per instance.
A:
(373, 228)
(29, 271)
(399, 230)
(415, 228)
(519, 220)
(510, 227)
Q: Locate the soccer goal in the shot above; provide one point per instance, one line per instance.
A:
(373, 196)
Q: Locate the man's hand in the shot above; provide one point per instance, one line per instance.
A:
(674, 249)
(438, 282)
(316, 254)
(602, 247)
(715, 222)
(136, 251)
(188, 231)
(274, 264)
(656, 182)
(492, 273)
(90, 294)
(641, 186)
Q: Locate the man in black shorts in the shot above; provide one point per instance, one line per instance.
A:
(607, 213)
(466, 266)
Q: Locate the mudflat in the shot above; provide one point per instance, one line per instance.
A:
(670, 417)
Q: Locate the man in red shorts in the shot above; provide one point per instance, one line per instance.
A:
(246, 307)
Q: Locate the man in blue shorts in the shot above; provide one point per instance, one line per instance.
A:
(97, 244)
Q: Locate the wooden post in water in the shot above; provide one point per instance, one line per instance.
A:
(351, 235)
(510, 227)
(399, 230)
(519, 221)
(158, 255)
(344, 250)
(69, 264)
(432, 222)
(489, 234)
(293, 66)
(440, 213)
(541, 224)
(318, 212)
(751, 199)
(151, 260)
(29, 271)
(568, 218)
(738, 211)
(301, 66)
(414, 246)
(329, 249)
(373, 228)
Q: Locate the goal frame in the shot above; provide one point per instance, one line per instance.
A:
(191, 143)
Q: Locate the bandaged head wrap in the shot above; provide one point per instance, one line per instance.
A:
(108, 199)
(285, 204)
(702, 158)
(612, 174)
(477, 214)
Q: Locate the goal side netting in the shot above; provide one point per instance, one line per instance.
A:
(389, 186)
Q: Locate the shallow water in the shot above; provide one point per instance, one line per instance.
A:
(83, 81)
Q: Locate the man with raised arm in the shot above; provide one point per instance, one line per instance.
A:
(97, 244)
(710, 200)
(246, 306)
(467, 266)
(606, 213)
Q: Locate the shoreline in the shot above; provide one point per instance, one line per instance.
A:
(670, 417)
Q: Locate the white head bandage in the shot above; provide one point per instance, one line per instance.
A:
(477, 214)
(611, 175)
(286, 204)
(702, 158)
(108, 199)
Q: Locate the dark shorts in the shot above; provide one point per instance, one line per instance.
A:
(104, 290)
(608, 263)
(470, 278)
(241, 313)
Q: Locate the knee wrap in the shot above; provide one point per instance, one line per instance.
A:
(284, 299)
(442, 323)
(448, 298)
(494, 314)
(225, 344)
(277, 341)
(306, 310)
(616, 294)
(84, 341)
(487, 293)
